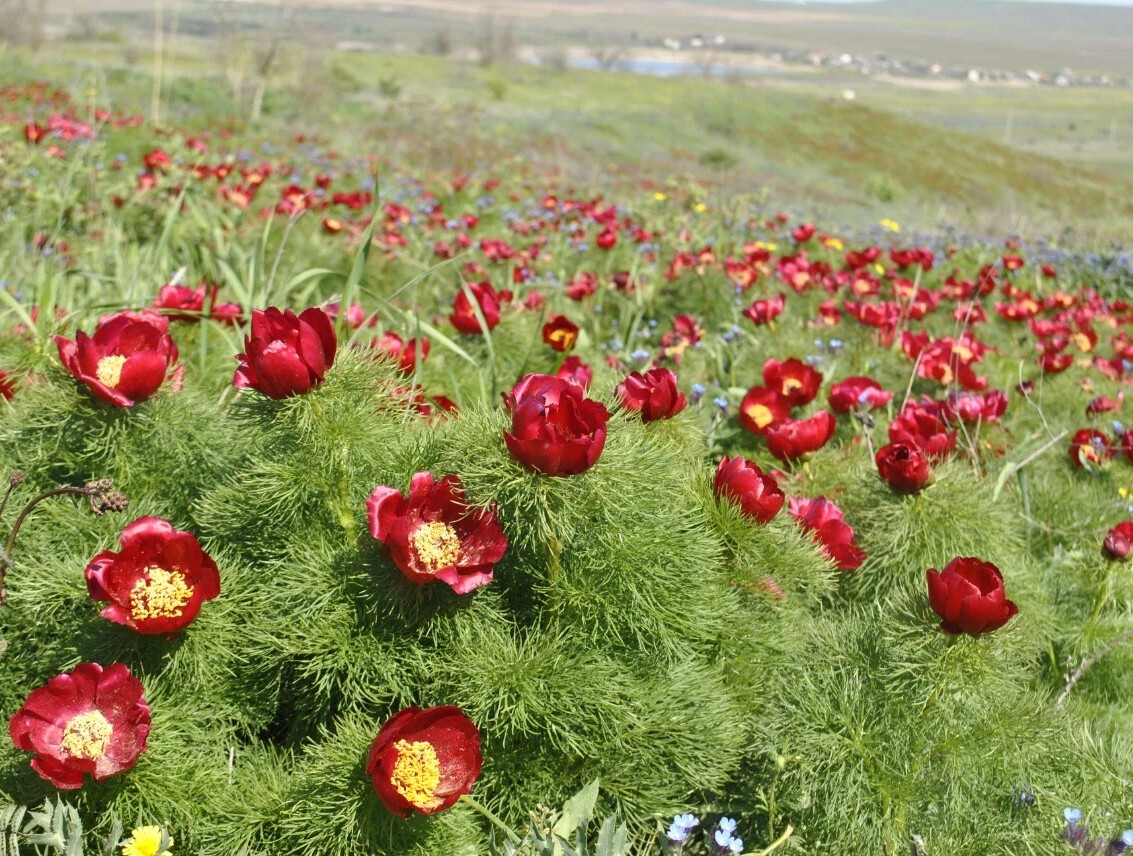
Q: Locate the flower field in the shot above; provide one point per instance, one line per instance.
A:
(356, 507)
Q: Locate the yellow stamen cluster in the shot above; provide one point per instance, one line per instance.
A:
(417, 773)
(160, 594)
(761, 415)
(437, 545)
(145, 841)
(790, 384)
(109, 370)
(87, 735)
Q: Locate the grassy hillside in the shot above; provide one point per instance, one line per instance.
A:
(808, 151)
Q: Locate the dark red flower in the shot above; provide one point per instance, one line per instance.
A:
(653, 394)
(181, 302)
(463, 316)
(1118, 543)
(963, 406)
(560, 333)
(922, 424)
(823, 519)
(555, 428)
(7, 385)
(756, 493)
(576, 371)
(157, 582)
(761, 408)
(424, 760)
(903, 466)
(858, 393)
(125, 361)
(432, 534)
(793, 379)
(765, 311)
(286, 354)
(794, 438)
(405, 354)
(89, 720)
(1089, 447)
(968, 596)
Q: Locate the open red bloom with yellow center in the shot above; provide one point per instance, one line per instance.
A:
(560, 333)
(761, 408)
(433, 535)
(157, 582)
(286, 354)
(424, 760)
(794, 438)
(1090, 448)
(903, 466)
(89, 720)
(823, 519)
(125, 361)
(555, 429)
(969, 597)
(793, 379)
(654, 394)
(754, 491)
(463, 316)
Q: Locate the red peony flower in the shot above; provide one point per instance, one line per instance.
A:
(560, 333)
(125, 361)
(922, 424)
(756, 493)
(761, 408)
(463, 316)
(555, 429)
(858, 393)
(765, 311)
(794, 379)
(404, 353)
(424, 760)
(286, 354)
(904, 466)
(157, 582)
(89, 720)
(7, 385)
(968, 596)
(824, 520)
(576, 371)
(433, 535)
(182, 303)
(1089, 447)
(963, 406)
(654, 395)
(1118, 543)
(794, 438)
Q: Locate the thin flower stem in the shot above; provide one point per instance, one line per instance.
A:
(6, 557)
(778, 842)
(1086, 664)
(513, 837)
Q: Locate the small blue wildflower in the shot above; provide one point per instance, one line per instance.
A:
(728, 336)
(1127, 838)
(616, 344)
(727, 825)
(835, 344)
(698, 390)
(1072, 815)
(639, 356)
(721, 402)
(1118, 426)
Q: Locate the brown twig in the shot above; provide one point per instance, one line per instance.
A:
(1087, 663)
(102, 496)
